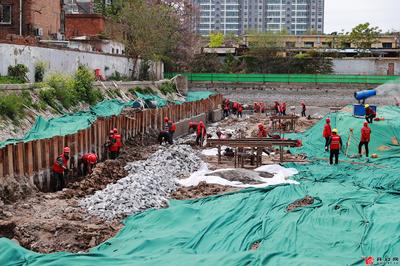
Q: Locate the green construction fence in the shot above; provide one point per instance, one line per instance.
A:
(283, 78)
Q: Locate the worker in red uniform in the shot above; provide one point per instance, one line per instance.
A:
(240, 111)
(201, 133)
(108, 143)
(303, 109)
(60, 166)
(327, 132)
(86, 163)
(193, 126)
(335, 142)
(235, 107)
(172, 129)
(369, 114)
(365, 138)
(116, 144)
(262, 132)
(226, 108)
(283, 108)
(277, 108)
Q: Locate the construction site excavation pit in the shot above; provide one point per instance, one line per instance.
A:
(178, 203)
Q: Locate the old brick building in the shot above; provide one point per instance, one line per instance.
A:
(41, 18)
(84, 25)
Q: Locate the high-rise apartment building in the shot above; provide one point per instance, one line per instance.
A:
(241, 16)
(218, 16)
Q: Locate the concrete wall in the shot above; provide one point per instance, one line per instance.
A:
(374, 66)
(60, 60)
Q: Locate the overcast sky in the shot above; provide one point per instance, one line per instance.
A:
(345, 14)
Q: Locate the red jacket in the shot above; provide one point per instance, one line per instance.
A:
(369, 111)
(240, 109)
(327, 131)
(303, 106)
(365, 134)
(283, 107)
(116, 143)
(235, 105)
(172, 128)
(201, 130)
(59, 164)
(262, 133)
(335, 142)
(227, 104)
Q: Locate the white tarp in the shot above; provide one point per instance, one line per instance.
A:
(281, 175)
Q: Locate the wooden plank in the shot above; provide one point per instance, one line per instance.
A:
(10, 159)
(28, 158)
(46, 149)
(1, 164)
(38, 155)
(20, 158)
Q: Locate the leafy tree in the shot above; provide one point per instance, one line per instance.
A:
(362, 36)
(206, 63)
(216, 40)
(150, 31)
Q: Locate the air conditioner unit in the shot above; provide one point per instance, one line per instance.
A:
(38, 32)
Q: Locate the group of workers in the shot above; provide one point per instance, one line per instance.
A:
(333, 141)
(232, 107)
(86, 162)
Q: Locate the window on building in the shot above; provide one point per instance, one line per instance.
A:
(290, 44)
(387, 45)
(346, 45)
(5, 14)
(309, 44)
(327, 44)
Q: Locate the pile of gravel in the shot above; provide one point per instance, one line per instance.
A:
(147, 185)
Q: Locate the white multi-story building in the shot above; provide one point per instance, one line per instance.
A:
(218, 16)
(242, 16)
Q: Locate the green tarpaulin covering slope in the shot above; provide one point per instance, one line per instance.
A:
(71, 123)
(355, 214)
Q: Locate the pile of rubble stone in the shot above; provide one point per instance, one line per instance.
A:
(148, 184)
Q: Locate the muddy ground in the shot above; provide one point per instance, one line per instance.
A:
(52, 222)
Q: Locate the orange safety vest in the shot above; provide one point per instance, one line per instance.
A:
(335, 142)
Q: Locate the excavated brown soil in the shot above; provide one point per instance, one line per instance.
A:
(200, 191)
(306, 201)
(54, 222)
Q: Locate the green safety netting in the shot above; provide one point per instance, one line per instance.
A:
(70, 123)
(284, 78)
(193, 96)
(355, 214)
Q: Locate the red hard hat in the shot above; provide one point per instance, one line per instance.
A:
(92, 158)
(365, 123)
(115, 130)
(260, 126)
(328, 120)
(67, 150)
(165, 119)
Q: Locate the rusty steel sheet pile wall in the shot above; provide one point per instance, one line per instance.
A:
(34, 158)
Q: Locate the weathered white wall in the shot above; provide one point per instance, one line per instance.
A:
(60, 60)
(367, 66)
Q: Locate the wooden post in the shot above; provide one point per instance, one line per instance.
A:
(38, 155)
(20, 158)
(46, 151)
(28, 158)
(1, 164)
